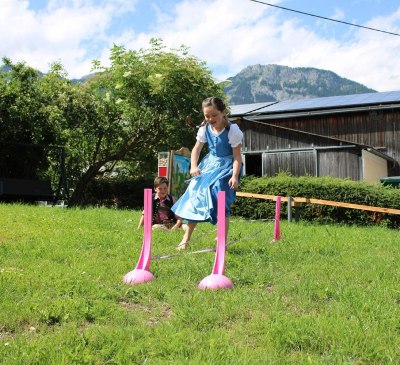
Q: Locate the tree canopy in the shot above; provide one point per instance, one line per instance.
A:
(121, 116)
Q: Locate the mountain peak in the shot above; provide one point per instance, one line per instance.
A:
(263, 83)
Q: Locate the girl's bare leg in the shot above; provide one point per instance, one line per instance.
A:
(186, 237)
(226, 229)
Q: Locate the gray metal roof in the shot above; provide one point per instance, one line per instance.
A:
(330, 102)
(242, 109)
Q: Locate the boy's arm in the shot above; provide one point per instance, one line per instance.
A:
(178, 223)
(141, 221)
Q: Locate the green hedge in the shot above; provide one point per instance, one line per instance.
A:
(128, 193)
(325, 188)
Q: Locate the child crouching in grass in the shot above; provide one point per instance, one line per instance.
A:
(163, 217)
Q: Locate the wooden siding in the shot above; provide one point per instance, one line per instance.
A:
(297, 152)
(343, 164)
(336, 163)
(261, 137)
(297, 163)
(377, 129)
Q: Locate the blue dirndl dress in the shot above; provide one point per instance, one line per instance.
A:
(199, 202)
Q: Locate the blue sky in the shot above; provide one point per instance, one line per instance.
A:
(228, 34)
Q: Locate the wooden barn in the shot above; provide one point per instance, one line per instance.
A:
(351, 136)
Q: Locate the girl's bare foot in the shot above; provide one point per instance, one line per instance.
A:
(182, 246)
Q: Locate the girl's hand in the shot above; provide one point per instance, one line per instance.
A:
(233, 183)
(195, 171)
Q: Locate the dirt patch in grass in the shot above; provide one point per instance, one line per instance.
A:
(6, 335)
(155, 315)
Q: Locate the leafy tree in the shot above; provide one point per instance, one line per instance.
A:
(22, 123)
(20, 111)
(37, 114)
(144, 101)
(70, 109)
(119, 118)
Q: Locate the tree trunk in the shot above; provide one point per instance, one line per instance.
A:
(78, 196)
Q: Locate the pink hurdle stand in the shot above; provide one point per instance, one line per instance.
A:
(141, 273)
(277, 230)
(217, 280)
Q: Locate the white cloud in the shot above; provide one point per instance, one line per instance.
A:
(371, 58)
(228, 34)
(238, 34)
(65, 30)
(338, 14)
(222, 32)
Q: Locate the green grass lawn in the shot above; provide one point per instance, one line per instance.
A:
(321, 295)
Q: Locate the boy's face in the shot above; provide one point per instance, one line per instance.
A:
(161, 190)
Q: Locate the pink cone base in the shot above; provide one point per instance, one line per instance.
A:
(215, 281)
(141, 273)
(138, 276)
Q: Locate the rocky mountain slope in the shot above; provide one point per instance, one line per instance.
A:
(259, 83)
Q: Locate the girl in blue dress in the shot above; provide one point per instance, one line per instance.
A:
(218, 171)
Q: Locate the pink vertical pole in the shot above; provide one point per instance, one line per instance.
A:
(141, 273)
(217, 279)
(219, 263)
(277, 230)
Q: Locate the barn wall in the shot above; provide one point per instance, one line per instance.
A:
(378, 129)
(298, 163)
(374, 168)
(339, 163)
(261, 137)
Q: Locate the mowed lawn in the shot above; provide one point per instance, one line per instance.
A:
(320, 295)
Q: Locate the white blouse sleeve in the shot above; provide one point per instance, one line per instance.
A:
(201, 135)
(235, 135)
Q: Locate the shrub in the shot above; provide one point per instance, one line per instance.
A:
(325, 188)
